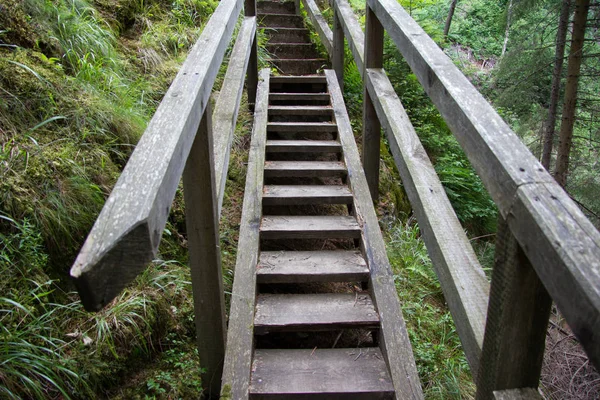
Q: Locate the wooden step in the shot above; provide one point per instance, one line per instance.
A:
(292, 50)
(299, 99)
(320, 374)
(278, 7)
(300, 110)
(299, 66)
(298, 79)
(281, 34)
(281, 195)
(281, 20)
(311, 266)
(310, 312)
(309, 227)
(304, 169)
(301, 127)
(313, 83)
(303, 146)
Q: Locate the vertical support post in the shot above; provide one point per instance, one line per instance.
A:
(205, 255)
(517, 321)
(338, 48)
(297, 4)
(252, 72)
(371, 125)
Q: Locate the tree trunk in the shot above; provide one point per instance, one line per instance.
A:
(561, 38)
(449, 18)
(507, 31)
(573, 70)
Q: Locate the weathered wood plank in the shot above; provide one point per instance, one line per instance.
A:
(202, 224)
(321, 97)
(371, 137)
(465, 286)
(228, 104)
(320, 24)
(240, 338)
(300, 110)
(352, 31)
(304, 168)
(127, 232)
(517, 394)
(306, 194)
(320, 374)
(301, 127)
(303, 146)
(561, 243)
(252, 68)
(298, 79)
(309, 227)
(395, 344)
(517, 322)
(309, 312)
(311, 266)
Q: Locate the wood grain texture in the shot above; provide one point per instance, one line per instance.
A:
(240, 338)
(301, 127)
(517, 322)
(309, 227)
(304, 168)
(395, 344)
(561, 243)
(311, 266)
(321, 97)
(463, 281)
(303, 146)
(320, 24)
(298, 79)
(337, 58)
(228, 104)
(300, 110)
(127, 232)
(517, 394)
(202, 225)
(310, 312)
(306, 194)
(330, 374)
(352, 31)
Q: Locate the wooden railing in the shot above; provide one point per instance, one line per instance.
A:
(546, 249)
(180, 140)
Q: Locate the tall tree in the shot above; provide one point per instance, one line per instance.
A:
(449, 18)
(561, 39)
(508, 22)
(572, 84)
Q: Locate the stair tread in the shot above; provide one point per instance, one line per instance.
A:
(301, 126)
(298, 79)
(311, 266)
(300, 110)
(306, 194)
(301, 312)
(301, 226)
(292, 146)
(324, 372)
(298, 96)
(304, 168)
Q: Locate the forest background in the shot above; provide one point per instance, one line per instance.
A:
(79, 80)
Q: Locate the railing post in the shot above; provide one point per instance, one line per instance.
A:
(517, 321)
(252, 73)
(337, 58)
(371, 124)
(205, 255)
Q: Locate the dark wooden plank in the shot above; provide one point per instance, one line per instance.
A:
(298, 79)
(320, 374)
(371, 137)
(303, 146)
(202, 225)
(306, 194)
(240, 338)
(301, 127)
(311, 266)
(517, 321)
(127, 232)
(228, 104)
(394, 337)
(352, 31)
(463, 281)
(517, 394)
(300, 110)
(337, 58)
(320, 24)
(309, 312)
(309, 227)
(252, 69)
(299, 96)
(304, 168)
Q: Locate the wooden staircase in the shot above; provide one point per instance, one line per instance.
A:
(292, 52)
(314, 310)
